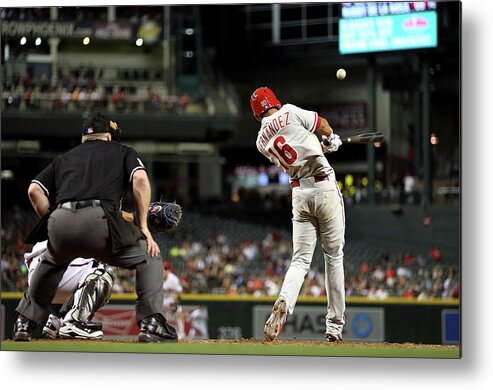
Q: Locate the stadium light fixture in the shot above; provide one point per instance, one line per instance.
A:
(38, 41)
(23, 41)
(7, 174)
(86, 41)
(139, 42)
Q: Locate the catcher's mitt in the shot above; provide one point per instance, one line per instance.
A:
(164, 216)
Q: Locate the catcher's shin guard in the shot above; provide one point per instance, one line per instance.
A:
(93, 294)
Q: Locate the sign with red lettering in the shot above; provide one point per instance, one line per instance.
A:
(118, 321)
(346, 116)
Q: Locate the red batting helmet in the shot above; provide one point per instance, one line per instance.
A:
(261, 100)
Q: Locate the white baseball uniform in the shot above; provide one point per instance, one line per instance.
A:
(172, 308)
(287, 138)
(76, 272)
(198, 328)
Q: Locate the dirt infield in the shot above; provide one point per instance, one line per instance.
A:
(299, 343)
(324, 343)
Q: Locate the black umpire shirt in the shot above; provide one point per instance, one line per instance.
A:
(93, 170)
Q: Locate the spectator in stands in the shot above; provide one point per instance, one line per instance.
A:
(44, 83)
(117, 285)
(65, 98)
(118, 100)
(184, 101)
(95, 98)
(153, 100)
(75, 97)
(171, 102)
(27, 79)
(82, 98)
(408, 258)
(449, 284)
(403, 270)
(27, 97)
(364, 268)
(271, 286)
(409, 187)
(395, 188)
(409, 292)
(437, 272)
(315, 288)
(381, 292)
(225, 263)
(436, 254)
(378, 274)
(133, 99)
(390, 275)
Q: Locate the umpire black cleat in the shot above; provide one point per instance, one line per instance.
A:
(23, 328)
(153, 330)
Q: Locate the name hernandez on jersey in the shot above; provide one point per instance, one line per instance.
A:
(287, 139)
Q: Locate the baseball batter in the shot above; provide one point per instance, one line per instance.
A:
(86, 285)
(287, 138)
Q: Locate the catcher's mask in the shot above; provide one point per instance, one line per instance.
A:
(263, 99)
(98, 123)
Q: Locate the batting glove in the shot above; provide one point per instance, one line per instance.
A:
(331, 144)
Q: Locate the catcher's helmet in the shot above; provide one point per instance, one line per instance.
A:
(261, 100)
(98, 123)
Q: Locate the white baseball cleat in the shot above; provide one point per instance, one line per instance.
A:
(334, 338)
(82, 330)
(333, 330)
(274, 324)
(52, 326)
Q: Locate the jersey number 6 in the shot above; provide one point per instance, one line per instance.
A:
(284, 152)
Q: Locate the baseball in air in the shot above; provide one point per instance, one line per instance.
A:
(341, 74)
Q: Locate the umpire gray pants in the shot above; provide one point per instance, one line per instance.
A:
(84, 233)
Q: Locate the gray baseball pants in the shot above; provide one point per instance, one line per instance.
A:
(84, 233)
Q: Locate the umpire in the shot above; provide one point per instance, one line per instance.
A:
(86, 186)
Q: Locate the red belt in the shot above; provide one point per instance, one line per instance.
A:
(296, 183)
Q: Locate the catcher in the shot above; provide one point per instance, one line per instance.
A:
(86, 285)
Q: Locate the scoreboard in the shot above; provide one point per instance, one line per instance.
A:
(387, 26)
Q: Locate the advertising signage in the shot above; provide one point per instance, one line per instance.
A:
(74, 30)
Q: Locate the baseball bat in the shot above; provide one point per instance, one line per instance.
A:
(363, 138)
